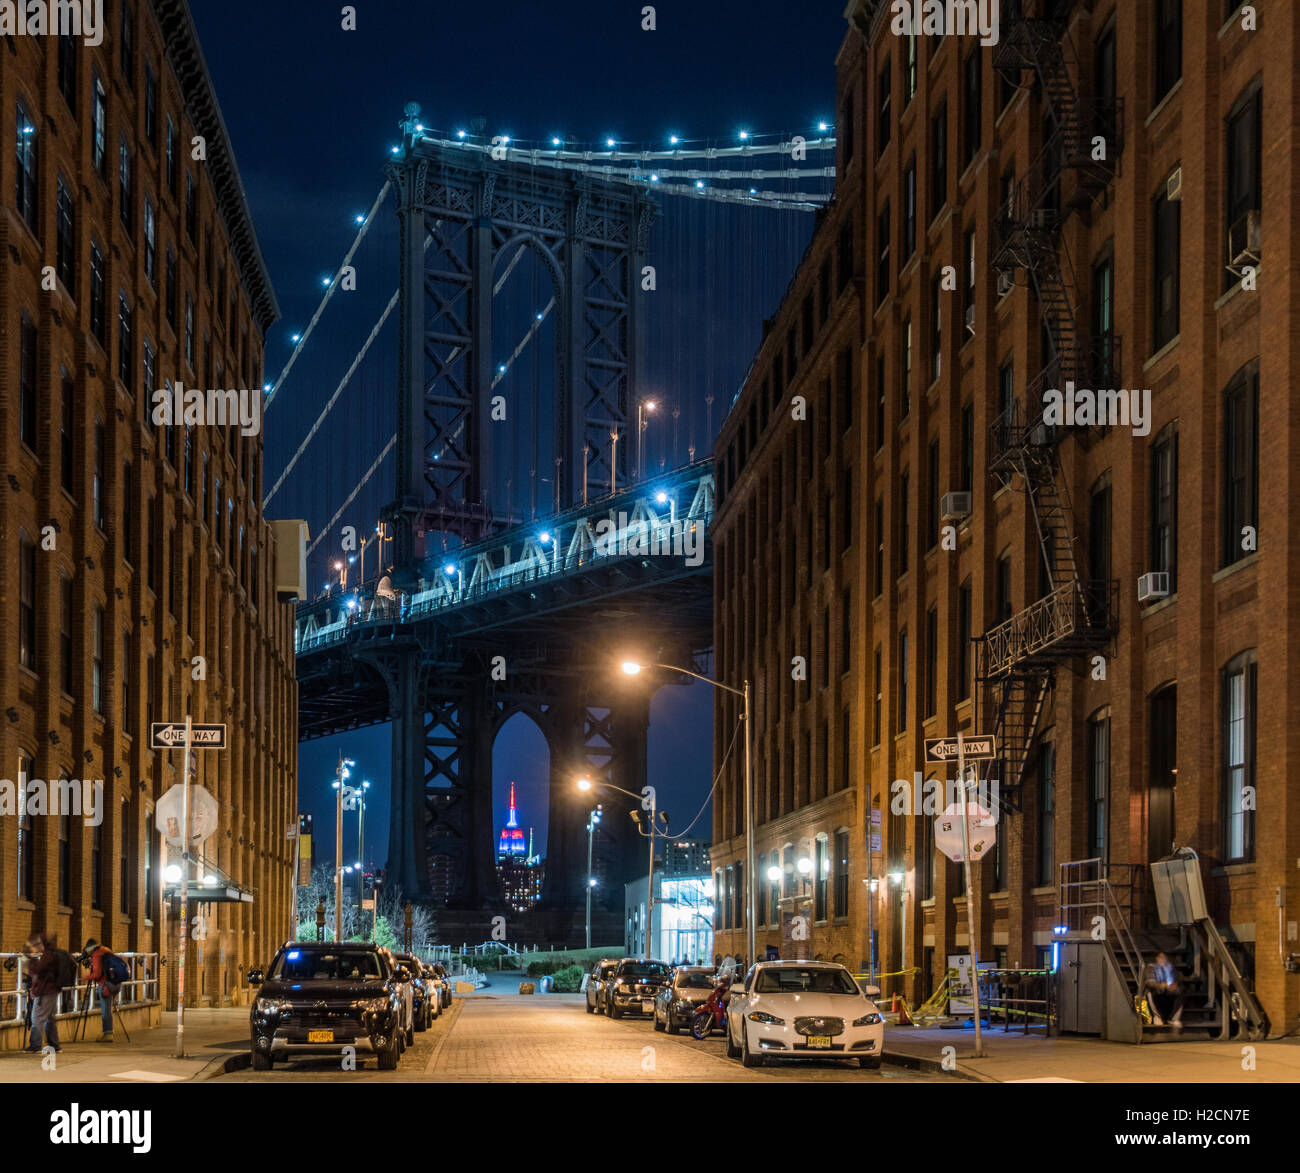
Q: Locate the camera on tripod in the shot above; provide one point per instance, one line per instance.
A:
(82, 958)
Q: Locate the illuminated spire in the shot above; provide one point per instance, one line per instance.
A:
(513, 820)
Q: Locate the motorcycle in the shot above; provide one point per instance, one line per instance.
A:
(712, 1013)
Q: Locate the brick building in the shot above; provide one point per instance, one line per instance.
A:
(1100, 183)
(138, 567)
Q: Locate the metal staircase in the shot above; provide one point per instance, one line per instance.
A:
(1016, 660)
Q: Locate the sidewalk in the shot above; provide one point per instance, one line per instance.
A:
(211, 1036)
(1017, 1058)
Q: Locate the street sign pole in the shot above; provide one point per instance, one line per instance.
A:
(970, 895)
(185, 896)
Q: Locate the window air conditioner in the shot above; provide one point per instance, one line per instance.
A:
(1244, 241)
(1174, 185)
(955, 506)
(1153, 585)
(1006, 283)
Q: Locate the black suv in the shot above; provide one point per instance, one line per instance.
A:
(634, 987)
(320, 997)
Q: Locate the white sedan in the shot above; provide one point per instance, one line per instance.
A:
(803, 1010)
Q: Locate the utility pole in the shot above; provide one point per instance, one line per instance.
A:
(187, 831)
(970, 895)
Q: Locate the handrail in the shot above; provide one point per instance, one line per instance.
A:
(139, 989)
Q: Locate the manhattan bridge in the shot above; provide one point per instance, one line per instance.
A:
(493, 431)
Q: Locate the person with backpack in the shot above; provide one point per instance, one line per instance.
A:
(108, 971)
(44, 992)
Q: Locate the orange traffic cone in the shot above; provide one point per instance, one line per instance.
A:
(900, 1008)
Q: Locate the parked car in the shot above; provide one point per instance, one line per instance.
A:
(319, 998)
(601, 972)
(406, 988)
(423, 992)
(688, 988)
(634, 986)
(443, 978)
(803, 1010)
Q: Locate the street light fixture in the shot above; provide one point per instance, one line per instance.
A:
(643, 408)
(633, 668)
(341, 775)
(592, 820)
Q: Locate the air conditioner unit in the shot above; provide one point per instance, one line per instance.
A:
(1244, 241)
(1153, 585)
(1174, 185)
(970, 319)
(1006, 283)
(955, 506)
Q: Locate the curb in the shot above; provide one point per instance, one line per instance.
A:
(224, 1065)
(931, 1066)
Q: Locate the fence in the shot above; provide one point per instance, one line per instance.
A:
(140, 988)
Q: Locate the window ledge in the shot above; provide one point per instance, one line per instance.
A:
(1234, 869)
(1174, 90)
(1235, 288)
(1000, 896)
(1241, 564)
(1162, 352)
(26, 906)
(1045, 890)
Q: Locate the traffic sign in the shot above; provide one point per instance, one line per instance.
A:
(169, 814)
(171, 735)
(948, 834)
(944, 749)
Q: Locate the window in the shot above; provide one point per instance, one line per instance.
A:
(939, 159)
(909, 65)
(1103, 319)
(1166, 219)
(150, 242)
(1104, 81)
(909, 209)
(877, 697)
(65, 634)
(932, 661)
(884, 117)
(97, 659)
(880, 402)
(126, 683)
(65, 237)
(68, 70)
(964, 634)
(841, 873)
(170, 293)
(1045, 862)
(1164, 505)
(191, 208)
(125, 355)
(125, 207)
(882, 257)
(25, 856)
(67, 437)
(845, 260)
(1006, 396)
(847, 129)
(902, 680)
(904, 523)
(1002, 597)
(907, 368)
(27, 380)
(972, 73)
(1098, 767)
(26, 601)
(826, 647)
(1238, 734)
(169, 151)
(124, 866)
(189, 461)
(821, 872)
(97, 865)
(1244, 187)
(936, 326)
(65, 859)
(150, 105)
(98, 296)
(26, 197)
(189, 330)
(148, 366)
(99, 125)
(966, 473)
(128, 53)
(932, 496)
(1240, 462)
(968, 297)
(879, 577)
(128, 514)
(97, 481)
(1169, 46)
(760, 880)
(1099, 515)
(846, 631)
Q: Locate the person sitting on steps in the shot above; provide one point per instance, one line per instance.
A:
(1164, 993)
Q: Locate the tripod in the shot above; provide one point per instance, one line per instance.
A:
(85, 1009)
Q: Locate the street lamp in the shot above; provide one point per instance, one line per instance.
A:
(341, 775)
(361, 848)
(586, 784)
(592, 820)
(633, 668)
(899, 880)
(643, 408)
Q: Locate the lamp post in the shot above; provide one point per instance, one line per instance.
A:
(361, 848)
(592, 820)
(341, 775)
(632, 668)
(587, 784)
(899, 880)
(643, 408)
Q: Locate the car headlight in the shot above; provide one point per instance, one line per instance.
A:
(622, 989)
(270, 1005)
(765, 1017)
(871, 1019)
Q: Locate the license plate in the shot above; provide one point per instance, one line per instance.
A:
(647, 1005)
(320, 1036)
(819, 1041)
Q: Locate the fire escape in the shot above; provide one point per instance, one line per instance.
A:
(1016, 660)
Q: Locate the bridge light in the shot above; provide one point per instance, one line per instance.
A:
(266, 386)
(539, 317)
(419, 126)
(744, 134)
(584, 783)
(460, 134)
(327, 281)
(544, 536)
(502, 368)
(823, 126)
(654, 179)
(360, 219)
(294, 337)
(555, 142)
(450, 568)
(609, 142)
(672, 138)
(631, 667)
(699, 183)
(505, 139)
(661, 497)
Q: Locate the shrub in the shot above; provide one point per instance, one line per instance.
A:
(567, 980)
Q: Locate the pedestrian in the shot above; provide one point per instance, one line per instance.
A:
(385, 596)
(1164, 993)
(44, 992)
(107, 977)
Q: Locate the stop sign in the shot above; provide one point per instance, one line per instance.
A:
(948, 837)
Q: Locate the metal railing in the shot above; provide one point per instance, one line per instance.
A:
(1078, 612)
(139, 989)
(1092, 888)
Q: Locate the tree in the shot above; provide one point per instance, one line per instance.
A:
(388, 929)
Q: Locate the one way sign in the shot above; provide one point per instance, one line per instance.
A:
(944, 749)
(171, 735)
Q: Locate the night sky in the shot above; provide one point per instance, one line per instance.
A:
(312, 110)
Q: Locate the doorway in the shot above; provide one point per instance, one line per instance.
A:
(1162, 778)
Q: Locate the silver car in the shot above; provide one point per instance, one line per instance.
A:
(689, 989)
